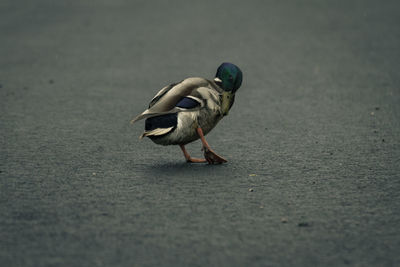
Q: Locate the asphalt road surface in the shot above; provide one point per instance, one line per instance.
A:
(313, 140)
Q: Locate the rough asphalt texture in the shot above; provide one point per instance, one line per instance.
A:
(313, 140)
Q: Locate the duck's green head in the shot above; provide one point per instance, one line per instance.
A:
(229, 77)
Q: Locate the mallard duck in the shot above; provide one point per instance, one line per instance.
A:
(183, 112)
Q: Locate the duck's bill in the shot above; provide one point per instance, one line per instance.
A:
(227, 97)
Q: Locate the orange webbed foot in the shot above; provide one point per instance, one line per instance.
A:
(212, 157)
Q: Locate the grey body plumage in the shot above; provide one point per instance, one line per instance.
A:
(206, 115)
(178, 111)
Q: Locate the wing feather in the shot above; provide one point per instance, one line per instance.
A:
(167, 98)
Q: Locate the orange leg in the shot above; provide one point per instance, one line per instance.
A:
(209, 154)
(189, 158)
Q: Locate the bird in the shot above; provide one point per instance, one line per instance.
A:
(186, 111)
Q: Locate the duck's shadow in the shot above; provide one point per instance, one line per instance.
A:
(171, 169)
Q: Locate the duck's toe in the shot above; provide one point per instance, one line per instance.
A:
(212, 157)
(188, 158)
(195, 160)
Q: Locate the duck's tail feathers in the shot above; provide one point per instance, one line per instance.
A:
(137, 118)
(156, 132)
(148, 114)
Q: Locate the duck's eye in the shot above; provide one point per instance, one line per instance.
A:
(230, 78)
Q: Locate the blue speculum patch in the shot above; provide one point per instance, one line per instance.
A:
(187, 103)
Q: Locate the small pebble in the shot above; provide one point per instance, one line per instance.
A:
(284, 220)
(377, 108)
(372, 113)
(252, 174)
(251, 189)
(303, 224)
(94, 174)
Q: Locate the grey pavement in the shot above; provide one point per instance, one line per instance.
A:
(313, 140)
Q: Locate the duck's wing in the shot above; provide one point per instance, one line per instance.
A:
(162, 92)
(174, 97)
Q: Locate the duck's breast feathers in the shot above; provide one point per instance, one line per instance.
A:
(169, 99)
